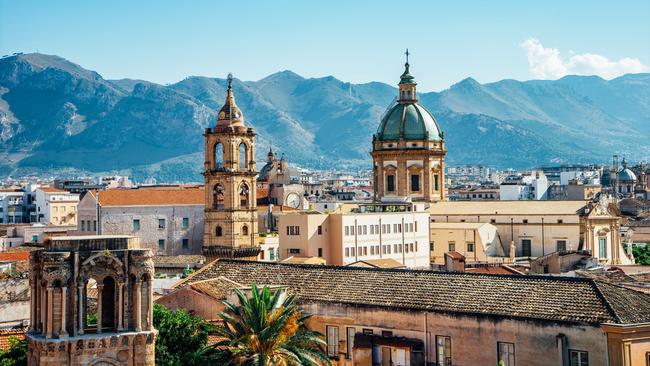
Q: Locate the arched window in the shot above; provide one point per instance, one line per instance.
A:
(244, 230)
(218, 156)
(244, 195)
(217, 196)
(243, 156)
(218, 231)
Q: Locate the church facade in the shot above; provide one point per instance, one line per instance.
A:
(230, 228)
(408, 150)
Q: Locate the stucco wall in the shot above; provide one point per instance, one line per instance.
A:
(473, 339)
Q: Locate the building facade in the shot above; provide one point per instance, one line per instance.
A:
(61, 331)
(230, 227)
(56, 206)
(169, 221)
(408, 150)
(373, 316)
(372, 231)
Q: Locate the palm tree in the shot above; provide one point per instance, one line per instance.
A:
(265, 330)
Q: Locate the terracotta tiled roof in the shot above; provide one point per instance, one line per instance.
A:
(52, 190)
(5, 334)
(14, 256)
(151, 197)
(176, 261)
(556, 299)
(379, 263)
(493, 270)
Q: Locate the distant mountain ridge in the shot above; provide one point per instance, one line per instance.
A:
(57, 117)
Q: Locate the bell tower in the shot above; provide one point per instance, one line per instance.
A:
(229, 170)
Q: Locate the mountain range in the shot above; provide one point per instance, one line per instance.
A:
(60, 119)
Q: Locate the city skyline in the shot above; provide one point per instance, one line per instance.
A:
(489, 42)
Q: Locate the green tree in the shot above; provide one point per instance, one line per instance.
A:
(182, 337)
(265, 331)
(641, 254)
(16, 354)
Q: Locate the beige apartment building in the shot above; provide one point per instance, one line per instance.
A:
(477, 241)
(367, 232)
(56, 207)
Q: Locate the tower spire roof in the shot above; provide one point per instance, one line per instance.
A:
(230, 114)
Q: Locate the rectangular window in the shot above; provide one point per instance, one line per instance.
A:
(352, 229)
(383, 249)
(353, 251)
(388, 249)
(320, 252)
(372, 229)
(372, 250)
(332, 341)
(411, 246)
(560, 221)
(377, 229)
(161, 244)
(136, 225)
(390, 183)
(347, 231)
(602, 246)
(94, 225)
(186, 222)
(452, 246)
(525, 221)
(493, 221)
(435, 182)
(388, 228)
(395, 248)
(506, 353)
(406, 247)
(161, 223)
(349, 342)
(365, 250)
(395, 228)
(367, 331)
(525, 248)
(294, 251)
(431, 246)
(416, 226)
(365, 229)
(386, 333)
(271, 254)
(470, 247)
(83, 224)
(443, 351)
(347, 252)
(578, 358)
(415, 183)
(561, 245)
(320, 230)
(186, 243)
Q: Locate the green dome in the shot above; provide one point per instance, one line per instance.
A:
(409, 121)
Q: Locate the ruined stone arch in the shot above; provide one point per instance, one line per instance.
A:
(101, 265)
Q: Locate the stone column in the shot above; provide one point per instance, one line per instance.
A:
(43, 312)
(64, 293)
(49, 320)
(100, 288)
(150, 305)
(80, 308)
(138, 306)
(120, 307)
(32, 306)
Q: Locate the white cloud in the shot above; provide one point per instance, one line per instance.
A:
(546, 63)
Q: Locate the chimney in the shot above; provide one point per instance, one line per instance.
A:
(454, 262)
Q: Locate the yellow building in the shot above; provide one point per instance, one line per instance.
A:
(477, 241)
(56, 207)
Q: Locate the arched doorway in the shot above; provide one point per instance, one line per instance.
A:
(108, 304)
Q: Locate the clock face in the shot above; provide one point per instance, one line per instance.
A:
(292, 200)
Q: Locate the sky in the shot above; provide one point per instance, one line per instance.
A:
(165, 41)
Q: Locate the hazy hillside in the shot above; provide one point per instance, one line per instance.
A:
(57, 117)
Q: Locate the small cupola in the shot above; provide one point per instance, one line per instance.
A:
(230, 114)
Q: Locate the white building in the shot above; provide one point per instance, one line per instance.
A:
(524, 187)
(397, 231)
(11, 206)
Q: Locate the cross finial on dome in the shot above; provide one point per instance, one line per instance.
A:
(407, 53)
(229, 80)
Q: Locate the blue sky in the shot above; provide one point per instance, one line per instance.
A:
(358, 41)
